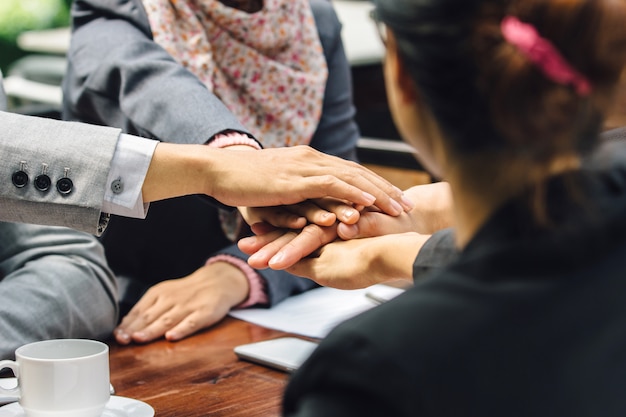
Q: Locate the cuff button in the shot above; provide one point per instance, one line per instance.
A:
(117, 186)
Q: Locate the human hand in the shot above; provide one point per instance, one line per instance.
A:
(280, 249)
(268, 177)
(291, 175)
(359, 263)
(432, 211)
(178, 308)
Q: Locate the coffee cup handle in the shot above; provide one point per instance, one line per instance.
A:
(14, 366)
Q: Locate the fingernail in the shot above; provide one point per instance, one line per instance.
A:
(370, 198)
(397, 208)
(256, 256)
(408, 204)
(120, 334)
(349, 213)
(277, 259)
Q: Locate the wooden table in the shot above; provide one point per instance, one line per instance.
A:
(200, 375)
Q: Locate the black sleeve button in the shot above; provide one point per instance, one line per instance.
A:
(20, 179)
(42, 182)
(65, 186)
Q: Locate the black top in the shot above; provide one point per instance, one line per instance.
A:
(527, 321)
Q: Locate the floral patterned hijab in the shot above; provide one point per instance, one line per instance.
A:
(267, 67)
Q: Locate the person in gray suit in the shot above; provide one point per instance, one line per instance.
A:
(126, 69)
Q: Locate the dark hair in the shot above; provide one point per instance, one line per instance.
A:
(485, 94)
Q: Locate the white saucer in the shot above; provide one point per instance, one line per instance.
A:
(9, 383)
(116, 407)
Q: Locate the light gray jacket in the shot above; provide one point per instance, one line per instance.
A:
(54, 281)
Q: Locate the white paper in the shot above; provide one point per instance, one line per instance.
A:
(316, 312)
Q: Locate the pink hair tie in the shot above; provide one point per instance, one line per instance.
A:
(543, 54)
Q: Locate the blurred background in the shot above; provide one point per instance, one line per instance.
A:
(35, 35)
(18, 16)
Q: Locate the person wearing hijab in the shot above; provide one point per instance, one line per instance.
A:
(224, 74)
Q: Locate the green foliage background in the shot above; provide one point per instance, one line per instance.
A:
(17, 16)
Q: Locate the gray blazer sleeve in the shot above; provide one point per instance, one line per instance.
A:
(27, 143)
(118, 76)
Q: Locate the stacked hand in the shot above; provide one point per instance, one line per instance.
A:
(385, 248)
(268, 177)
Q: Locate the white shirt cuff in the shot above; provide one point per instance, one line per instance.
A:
(129, 166)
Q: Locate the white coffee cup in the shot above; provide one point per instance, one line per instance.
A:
(61, 378)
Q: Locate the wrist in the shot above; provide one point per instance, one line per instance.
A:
(396, 264)
(176, 170)
(233, 283)
(256, 291)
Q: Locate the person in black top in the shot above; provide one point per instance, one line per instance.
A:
(502, 98)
